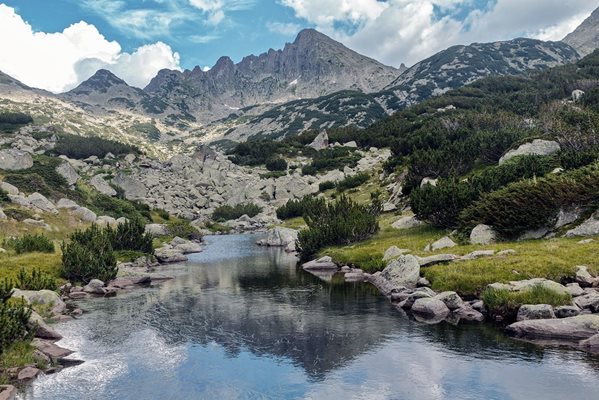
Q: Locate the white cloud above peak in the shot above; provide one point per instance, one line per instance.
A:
(60, 61)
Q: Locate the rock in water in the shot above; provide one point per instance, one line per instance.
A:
(573, 328)
(322, 263)
(404, 271)
(430, 307)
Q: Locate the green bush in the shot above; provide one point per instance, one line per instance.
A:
(339, 223)
(183, 229)
(11, 121)
(37, 280)
(326, 185)
(533, 203)
(81, 147)
(131, 235)
(330, 159)
(351, 182)
(14, 315)
(116, 207)
(41, 177)
(30, 243)
(276, 164)
(297, 208)
(226, 212)
(4, 197)
(89, 255)
(163, 214)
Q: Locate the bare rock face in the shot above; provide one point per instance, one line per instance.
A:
(67, 171)
(590, 227)
(15, 160)
(320, 142)
(585, 38)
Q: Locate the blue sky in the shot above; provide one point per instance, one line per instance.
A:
(136, 38)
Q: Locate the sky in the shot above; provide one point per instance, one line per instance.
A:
(57, 44)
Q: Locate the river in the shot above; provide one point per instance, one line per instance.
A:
(242, 322)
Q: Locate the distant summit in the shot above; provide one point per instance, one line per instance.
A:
(585, 38)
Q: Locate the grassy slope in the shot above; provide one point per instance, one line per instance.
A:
(552, 259)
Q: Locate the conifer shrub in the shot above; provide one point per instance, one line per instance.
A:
(81, 147)
(297, 208)
(4, 197)
(183, 229)
(14, 315)
(131, 236)
(89, 255)
(276, 164)
(36, 280)
(338, 223)
(326, 185)
(227, 212)
(351, 182)
(30, 243)
(533, 203)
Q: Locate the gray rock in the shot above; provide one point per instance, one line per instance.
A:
(95, 286)
(188, 247)
(85, 214)
(42, 330)
(566, 311)
(436, 259)
(591, 343)
(508, 252)
(67, 171)
(168, 255)
(157, 229)
(46, 297)
(406, 223)
(468, 313)
(412, 297)
(586, 241)
(443, 243)
(28, 373)
(320, 142)
(280, 237)
(133, 188)
(15, 160)
(573, 328)
(394, 252)
(2, 215)
(589, 301)
(423, 282)
(430, 307)
(428, 181)
(50, 349)
(590, 227)
(8, 188)
(478, 254)
(325, 262)
(535, 311)
(567, 216)
(534, 234)
(574, 289)
(404, 271)
(105, 220)
(451, 299)
(67, 204)
(536, 147)
(8, 392)
(38, 223)
(101, 185)
(583, 276)
(483, 235)
(529, 284)
(40, 202)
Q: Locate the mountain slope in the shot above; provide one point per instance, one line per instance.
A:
(449, 69)
(585, 38)
(313, 65)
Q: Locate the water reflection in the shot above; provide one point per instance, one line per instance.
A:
(243, 322)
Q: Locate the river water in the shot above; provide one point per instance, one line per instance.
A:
(241, 322)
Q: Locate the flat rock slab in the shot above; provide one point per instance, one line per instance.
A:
(51, 349)
(573, 328)
(8, 392)
(28, 373)
(322, 263)
(436, 259)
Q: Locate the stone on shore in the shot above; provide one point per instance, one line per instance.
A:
(27, 374)
(451, 299)
(589, 301)
(42, 330)
(280, 237)
(566, 311)
(51, 349)
(573, 328)
(167, 254)
(325, 262)
(467, 313)
(591, 343)
(95, 286)
(8, 392)
(430, 307)
(404, 271)
(535, 311)
(45, 297)
(583, 276)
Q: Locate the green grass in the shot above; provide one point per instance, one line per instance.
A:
(551, 259)
(18, 354)
(11, 263)
(505, 302)
(294, 223)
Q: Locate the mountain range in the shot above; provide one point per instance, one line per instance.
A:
(311, 84)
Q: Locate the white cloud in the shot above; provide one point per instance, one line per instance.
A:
(283, 28)
(60, 61)
(215, 9)
(396, 31)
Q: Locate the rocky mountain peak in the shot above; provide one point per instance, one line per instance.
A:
(310, 36)
(101, 81)
(585, 38)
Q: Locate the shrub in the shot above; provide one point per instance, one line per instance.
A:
(330, 159)
(276, 164)
(226, 212)
(183, 229)
(4, 197)
(351, 182)
(37, 280)
(163, 214)
(89, 255)
(131, 235)
(11, 121)
(30, 243)
(506, 303)
(339, 223)
(117, 208)
(80, 147)
(326, 185)
(297, 208)
(14, 315)
(18, 213)
(41, 177)
(533, 203)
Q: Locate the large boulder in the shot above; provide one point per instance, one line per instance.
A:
(8, 392)
(101, 185)
(588, 301)
(67, 171)
(483, 234)
(322, 263)
(157, 229)
(590, 227)
(39, 201)
(42, 330)
(566, 311)
(583, 276)
(133, 188)
(573, 328)
(168, 255)
(45, 297)
(407, 222)
(15, 160)
(320, 142)
(280, 237)
(535, 311)
(95, 286)
(8, 188)
(404, 271)
(537, 147)
(443, 243)
(430, 307)
(451, 299)
(467, 313)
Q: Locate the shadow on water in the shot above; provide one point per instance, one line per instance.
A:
(249, 300)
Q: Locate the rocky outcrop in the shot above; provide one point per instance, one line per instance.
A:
(535, 311)
(320, 142)
(15, 160)
(101, 185)
(67, 171)
(280, 237)
(590, 227)
(585, 38)
(537, 147)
